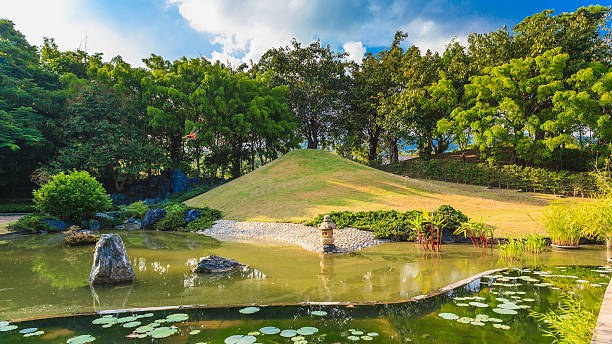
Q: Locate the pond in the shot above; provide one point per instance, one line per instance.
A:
(40, 277)
(494, 308)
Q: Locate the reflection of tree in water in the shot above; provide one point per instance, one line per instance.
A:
(155, 240)
(69, 272)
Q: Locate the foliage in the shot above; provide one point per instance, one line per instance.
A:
(75, 196)
(507, 176)
(175, 218)
(183, 196)
(391, 224)
(476, 231)
(17, 207)
(136, 210)
(564, 223)
(569, 324)
(514, 248)
(32, 223)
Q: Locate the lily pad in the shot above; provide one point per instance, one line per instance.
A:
(126, 319)
(501, 326)
(478, 304)
(307, 331)
(105, 320)
(131, 324)
(28, 330)
(353, 338)
(504, 311)
(240, 339)
(82, 339)
(8, 328)
(269, 330)
(366, 338)
(249, 310)
(162, 332)
(461, 304)
(177, 317)
(477, 323)
(373, 334)
(509, 305)
(448, 316)
(288, 333)
(319, 313)
(37, 333)
(194, 332)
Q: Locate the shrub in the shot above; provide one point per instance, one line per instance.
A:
(136, 210)
(74, 197)
(175, 219)
(31, 223)
(17, 207)
(390, 224)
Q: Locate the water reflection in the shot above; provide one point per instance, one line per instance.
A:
(49, 279)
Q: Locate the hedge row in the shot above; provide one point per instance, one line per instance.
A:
(390, 224)
(507, 176)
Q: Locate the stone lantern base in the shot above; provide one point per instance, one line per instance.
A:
(328, 248)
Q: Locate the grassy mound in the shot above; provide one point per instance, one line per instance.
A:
(305, 183)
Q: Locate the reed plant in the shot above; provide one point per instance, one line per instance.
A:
(569, 324)
(564, 223)
(512, 249)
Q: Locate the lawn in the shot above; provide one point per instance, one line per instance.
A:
(3, 227)
(305, 183)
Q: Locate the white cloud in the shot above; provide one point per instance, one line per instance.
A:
(244, 30)
(69, 22)
(355, 51)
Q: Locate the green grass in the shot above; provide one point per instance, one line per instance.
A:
(3, 227)
(305, 183)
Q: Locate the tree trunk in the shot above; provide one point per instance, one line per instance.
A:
(373, 143)
(393, 151)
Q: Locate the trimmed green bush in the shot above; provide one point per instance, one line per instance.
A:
(72, 197)
(183, 196)
(175, 218)
(507, 176)
(31, 223)
(390, 224)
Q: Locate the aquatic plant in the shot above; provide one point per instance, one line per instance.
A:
(564, 223)
(569, 324)
(512, 249)
(477, 231)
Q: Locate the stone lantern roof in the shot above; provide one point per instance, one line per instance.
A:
(327, 224)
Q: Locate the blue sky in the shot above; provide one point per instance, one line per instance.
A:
(241, 30)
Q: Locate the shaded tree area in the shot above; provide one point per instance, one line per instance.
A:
(538, 94)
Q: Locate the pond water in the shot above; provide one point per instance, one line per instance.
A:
(40, 277)
(492, 309)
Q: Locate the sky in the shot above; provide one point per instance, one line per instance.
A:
(237, 31)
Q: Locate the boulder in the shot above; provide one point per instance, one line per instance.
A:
(152, 216)
(179, 182)
(192, 215)
(111, 263)
(58, 224)
(78, 239)
(216, 264)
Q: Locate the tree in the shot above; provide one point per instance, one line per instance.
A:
(316, 77)
(509, 103)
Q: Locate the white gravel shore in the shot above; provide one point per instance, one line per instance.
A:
(347, 239)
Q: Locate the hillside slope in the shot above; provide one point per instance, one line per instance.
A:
(304, 183)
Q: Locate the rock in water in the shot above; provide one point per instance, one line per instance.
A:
(215, 264)
(152, 216)
(78, 239)
(111, 263)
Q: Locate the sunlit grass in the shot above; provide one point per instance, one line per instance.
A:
(305, 183)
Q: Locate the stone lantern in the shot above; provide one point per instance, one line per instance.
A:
(327, 234)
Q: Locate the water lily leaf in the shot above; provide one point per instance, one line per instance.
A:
(479, 304)
(356, 332)
(465, 320)
(82, 339)
(194, 332)
(28, 330)
(477, 323)
(132, 324)
(249, 310)
(240, 339)
(501, 326)
(307, 331)
(37, 333)
(461, 304)
(319, 313)
(504, 311)
(288, 333)
(177, 317)
(126, 319)
(254, 333)
(269, 330)
(366, 338)
(373, 334)
(3, 323)
(298, 338)
(508, 305)
(448, 316)
(353, 338)
(8, 328)
(162, 332)
(105, 320)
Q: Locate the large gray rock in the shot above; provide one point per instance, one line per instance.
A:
(111, 263)
(152, 216)
(216, 264)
